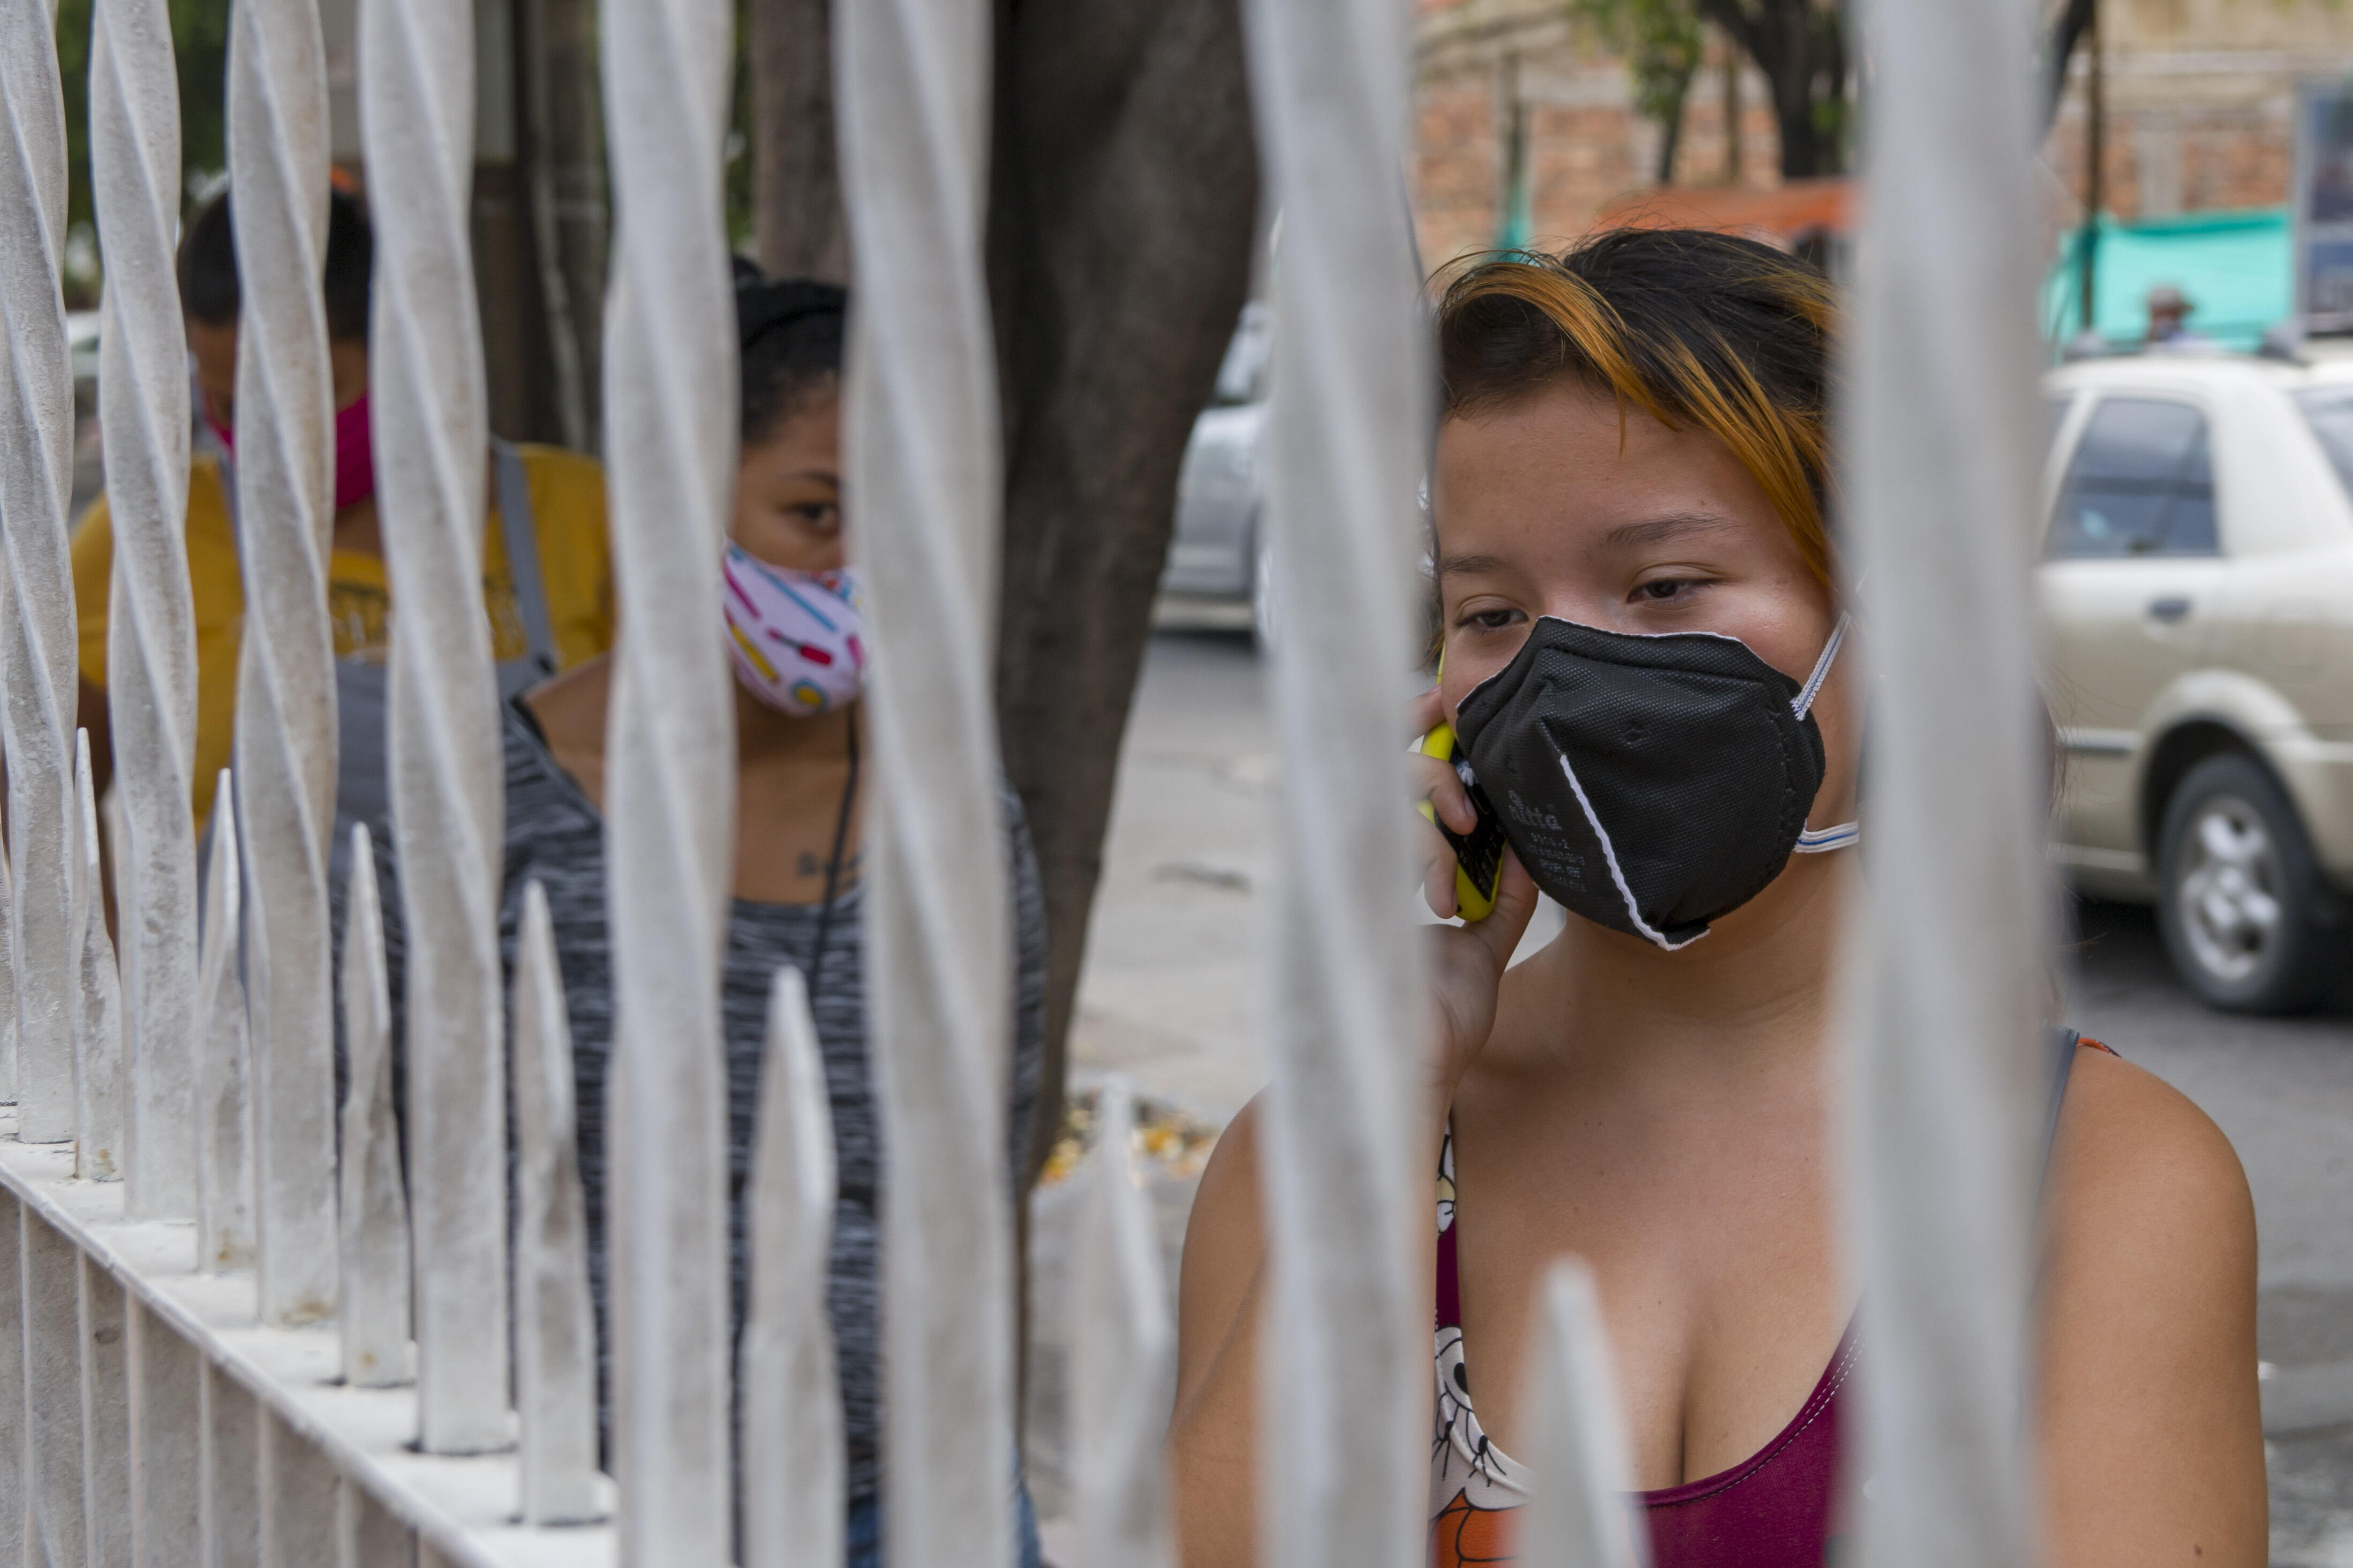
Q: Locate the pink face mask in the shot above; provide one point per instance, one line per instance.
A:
(354, 451)
(797, 639)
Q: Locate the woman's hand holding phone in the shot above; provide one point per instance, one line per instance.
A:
(1467, 962)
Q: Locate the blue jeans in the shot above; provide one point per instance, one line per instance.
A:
(864, 1537)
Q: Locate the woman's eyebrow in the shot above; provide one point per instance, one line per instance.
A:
(1658, 529)
(1472, 565)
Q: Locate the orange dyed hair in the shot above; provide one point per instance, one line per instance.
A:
(1695, 329)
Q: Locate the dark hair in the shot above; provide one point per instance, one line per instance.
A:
(1694, 328)
(789, 334)
(208, 267)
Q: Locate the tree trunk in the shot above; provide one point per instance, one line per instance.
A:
(1800, 50)
(1123, 197)
(795, 177)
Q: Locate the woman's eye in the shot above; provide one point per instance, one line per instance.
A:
(1665, 590)
(822, 516)
(1489, 620)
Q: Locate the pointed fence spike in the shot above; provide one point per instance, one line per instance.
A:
(285, 747)
(924, 445)
(669, 778)
(8, 1054)
(556, 1325)
(374, 1210)
(1580, 1516)
(447, 775)
(38, 665)
(150, 635)
(788, 1382)
(98, 1035)
(224, 1142)
(1125, 1353)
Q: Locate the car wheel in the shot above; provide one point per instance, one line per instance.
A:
(1263, 604)
(2241, 894)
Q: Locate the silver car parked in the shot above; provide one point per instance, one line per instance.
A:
(1218, 552)
(2196, 586)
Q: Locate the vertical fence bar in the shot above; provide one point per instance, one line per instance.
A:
(151, 632)
(98, 1151)
(38, 664)
(556, 1326)
(924, 454)
(15, 1462)
(1951, 931)
(300, 1516)
(1347, 1382)
(224, 1078)
(373, 1212)
(53, 1424)
(1124, 1354)
(9, 1021)
(166, 1460)
(105, 1418)
(231, 1532)
(669, 397)
(1581, 1515)
(285, 748)
(366, 1536)
(416, 113)
(788, 1385)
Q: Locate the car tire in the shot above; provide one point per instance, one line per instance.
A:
(2241, 901)
(1264, 605)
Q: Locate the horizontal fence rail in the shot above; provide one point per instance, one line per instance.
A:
(243, 1323)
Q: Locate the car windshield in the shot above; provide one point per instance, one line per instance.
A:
(2330, 412)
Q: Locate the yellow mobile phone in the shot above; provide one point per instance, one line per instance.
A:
(1478, 854)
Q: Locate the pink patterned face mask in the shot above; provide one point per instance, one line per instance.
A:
(798, 639)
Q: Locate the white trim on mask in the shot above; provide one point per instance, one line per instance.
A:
(1821, 841)
(1610, 854)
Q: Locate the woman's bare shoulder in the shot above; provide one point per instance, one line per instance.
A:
(2152, 1425)
(2137, 1160)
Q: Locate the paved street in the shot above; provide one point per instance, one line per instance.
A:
(1169, 998)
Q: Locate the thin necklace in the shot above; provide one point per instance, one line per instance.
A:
(833, 866)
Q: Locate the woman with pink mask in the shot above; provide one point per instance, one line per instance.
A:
(787, 606)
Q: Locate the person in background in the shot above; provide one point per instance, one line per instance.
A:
(2169, 312)
(787, 606)
(546, 576)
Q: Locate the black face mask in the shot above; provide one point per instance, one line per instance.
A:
(1650, 784)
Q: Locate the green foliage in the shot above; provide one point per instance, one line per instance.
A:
(200, 38)
(1662, 42)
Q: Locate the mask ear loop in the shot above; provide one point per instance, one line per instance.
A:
(1812, 841)
(1803, 702)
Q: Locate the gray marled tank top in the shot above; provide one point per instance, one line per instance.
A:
(554, 835)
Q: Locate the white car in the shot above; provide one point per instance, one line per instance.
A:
(1217, 551)
(2197, 585)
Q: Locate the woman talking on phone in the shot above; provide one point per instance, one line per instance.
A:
(1641, 659)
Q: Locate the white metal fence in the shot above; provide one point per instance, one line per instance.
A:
(211, 1361)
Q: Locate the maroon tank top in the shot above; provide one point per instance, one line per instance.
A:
(1773, 1509)
(1779, 1508)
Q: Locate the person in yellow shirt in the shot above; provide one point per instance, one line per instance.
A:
(547, 569)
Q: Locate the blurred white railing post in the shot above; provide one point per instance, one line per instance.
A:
(98, 1024)
(670, 806)
(371, 1207)
(1582, 1515)
(1123, 1354)
(37, 660)
(447, 781)
(151, 635)
(555, 1323)
(923, 445)
(1942, 1077)
(789, 1377)
(1344, 1401)
(286, 744)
